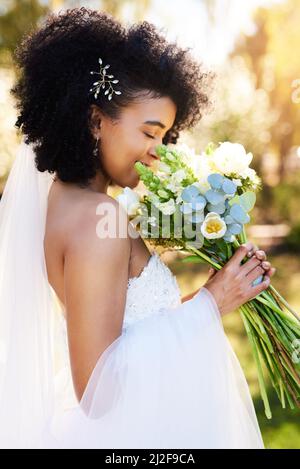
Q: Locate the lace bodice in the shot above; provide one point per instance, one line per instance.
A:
(153, 290)
(150, 292)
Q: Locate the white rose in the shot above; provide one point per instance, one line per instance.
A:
(129, 200)
(231, 158)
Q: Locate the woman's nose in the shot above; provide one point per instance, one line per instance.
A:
(154, 154)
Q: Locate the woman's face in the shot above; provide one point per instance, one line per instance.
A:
(141, 127)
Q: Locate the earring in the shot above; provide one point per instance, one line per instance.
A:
(95, 151)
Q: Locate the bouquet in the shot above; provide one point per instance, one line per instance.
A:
(200, 204)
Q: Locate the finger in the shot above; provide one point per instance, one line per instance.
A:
(241, 252)
(255, 273)
(252, 252)
(249, 265)
(257, 289)
(266, 265)
(211, 272)
(271, 272)
(261, 255)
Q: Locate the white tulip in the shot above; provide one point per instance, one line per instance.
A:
(213, 226)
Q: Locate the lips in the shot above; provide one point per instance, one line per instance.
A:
(154, 160)
(145, 164)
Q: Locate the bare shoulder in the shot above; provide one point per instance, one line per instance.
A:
(101, 222)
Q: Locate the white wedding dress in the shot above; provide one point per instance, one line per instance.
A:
(171, 380)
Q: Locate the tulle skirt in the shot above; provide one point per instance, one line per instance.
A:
(171, 380)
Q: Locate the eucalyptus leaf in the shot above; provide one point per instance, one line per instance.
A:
(234, 200)
(247, 200)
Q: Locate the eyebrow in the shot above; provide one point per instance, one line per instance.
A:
(157, 123)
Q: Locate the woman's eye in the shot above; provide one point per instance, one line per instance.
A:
(150, 136)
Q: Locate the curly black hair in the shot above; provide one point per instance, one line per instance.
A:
(54, 81)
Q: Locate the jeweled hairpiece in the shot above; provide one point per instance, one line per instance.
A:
(103, 82)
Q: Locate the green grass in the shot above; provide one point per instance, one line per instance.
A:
(283, 430)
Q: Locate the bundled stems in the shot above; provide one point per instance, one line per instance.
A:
(273, 329)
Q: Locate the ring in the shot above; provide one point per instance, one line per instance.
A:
(257, 281)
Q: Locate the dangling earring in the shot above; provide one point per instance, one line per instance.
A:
(95, 151)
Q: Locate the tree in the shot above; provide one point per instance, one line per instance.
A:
(272, 55)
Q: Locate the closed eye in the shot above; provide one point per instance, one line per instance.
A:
(147, 135)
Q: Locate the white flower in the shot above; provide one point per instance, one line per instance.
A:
(175, 180)
(203, 185)
(187, 154)
(213, 226)
(238, 182)
(231, 158)
(129, 200)
(167, 208)
(178, 199)
(179, 175)
(250, 173)
(154, 199)
(165, 168)
(152, 221)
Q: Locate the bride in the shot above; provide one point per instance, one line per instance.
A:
(97, 347)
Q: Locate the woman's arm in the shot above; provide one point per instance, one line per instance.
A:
(96, 276)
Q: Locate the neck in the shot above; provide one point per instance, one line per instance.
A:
(98, 184)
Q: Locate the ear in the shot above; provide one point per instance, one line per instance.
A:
(95, 117)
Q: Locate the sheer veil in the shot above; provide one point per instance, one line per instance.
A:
(31, 336)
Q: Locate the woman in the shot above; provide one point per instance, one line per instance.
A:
(142, 367)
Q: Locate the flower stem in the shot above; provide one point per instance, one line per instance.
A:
(204, 256)
(284, 302)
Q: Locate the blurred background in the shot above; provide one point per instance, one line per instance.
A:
(254, 48)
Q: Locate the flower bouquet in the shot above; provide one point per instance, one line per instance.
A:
(200, 204)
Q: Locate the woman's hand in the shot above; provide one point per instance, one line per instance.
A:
(232, 285)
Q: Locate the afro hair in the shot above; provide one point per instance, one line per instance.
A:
(52, 90)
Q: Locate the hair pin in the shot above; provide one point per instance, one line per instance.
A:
(103, 81)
